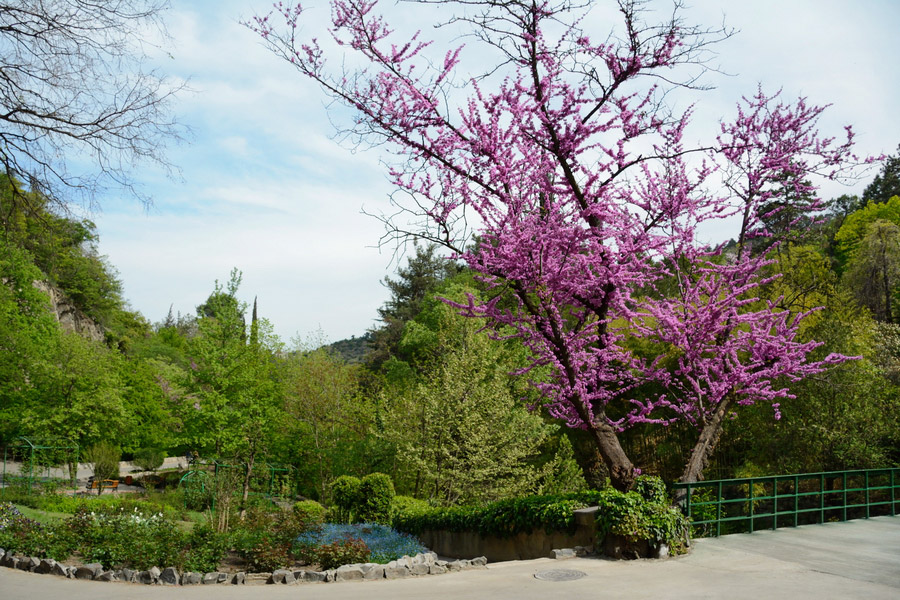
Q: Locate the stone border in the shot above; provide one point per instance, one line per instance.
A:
(418, 565)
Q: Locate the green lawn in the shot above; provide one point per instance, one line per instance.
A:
(42, 516)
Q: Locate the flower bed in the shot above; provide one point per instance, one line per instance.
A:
(383, 543)
(129, 545)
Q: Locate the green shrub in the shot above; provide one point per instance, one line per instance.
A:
(340, 552)
(149, 459)
(310, 511)
(629, 515)
(651, 489)
(632, 517)
(268, 556)
(197, 498)
(104, 458)
(204, 551)
(504, 518)
(407, 506)
(117, 538)
(26, 536)
(703, 512)
(266, 538)
(374, 496)
(345, 496)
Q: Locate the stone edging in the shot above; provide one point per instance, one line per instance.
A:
(418, 565)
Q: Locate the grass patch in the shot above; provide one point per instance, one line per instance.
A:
(42, 516)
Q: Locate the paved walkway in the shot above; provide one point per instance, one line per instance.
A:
(857, 559)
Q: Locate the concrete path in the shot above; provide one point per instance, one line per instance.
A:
(857, 559)
(85, 470)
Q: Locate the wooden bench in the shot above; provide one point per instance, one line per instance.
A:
(103, 484)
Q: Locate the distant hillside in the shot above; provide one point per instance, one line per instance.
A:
(353, 350)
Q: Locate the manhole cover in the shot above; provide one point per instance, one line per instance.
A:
(559, 575)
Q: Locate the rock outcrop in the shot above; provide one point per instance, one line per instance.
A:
(70, 317)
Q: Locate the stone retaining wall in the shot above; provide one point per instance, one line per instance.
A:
(418, 565)
(523, 546)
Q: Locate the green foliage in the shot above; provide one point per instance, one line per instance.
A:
(149, 459)
(855, 226)
(873, 271)
(650, 488)
(204, 549)
(424, 271)
(26, 536)
(197, 495)
(503, 518)
(374, 496)
(635, 518)
(65, 250)
(704, 512)
(331, 426)
(76, 393)
(345, 496)
(104, 458)
(340, 552)
(464, 435)
(265, 538)
(630, 515)
(886, 184)
(407, 506)
(310, 511)
(117, 537)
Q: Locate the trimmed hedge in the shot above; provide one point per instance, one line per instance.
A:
(363, 501)
(641, 514)
(504, 518)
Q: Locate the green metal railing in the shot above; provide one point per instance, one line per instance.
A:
(746, 505)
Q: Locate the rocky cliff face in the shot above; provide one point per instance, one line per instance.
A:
(70, 317)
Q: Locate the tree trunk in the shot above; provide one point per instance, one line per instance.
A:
(245, 495)
(606, 439)
(588, 458)
(621, 470)
(703, 449)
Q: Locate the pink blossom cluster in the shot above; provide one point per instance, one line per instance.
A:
(588, 201)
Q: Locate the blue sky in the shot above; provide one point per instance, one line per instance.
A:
(266, 189)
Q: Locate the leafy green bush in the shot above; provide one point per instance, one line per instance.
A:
(341, 552)
(204, 551)
(104, 458)
(373, 499)
(651, 489)
(266, 556)
(504, 518)
(149, 459)
(310, 511)
(703, 512)
(197, 498)
(634, 518)
(116, 538)
(266, 538)
(408, 506)
(63, 503)
(630, 515)
(26, 536)
(345, 496)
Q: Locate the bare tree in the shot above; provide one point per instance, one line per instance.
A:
(78, 107)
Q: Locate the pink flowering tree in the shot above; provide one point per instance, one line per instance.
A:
(559, 152)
